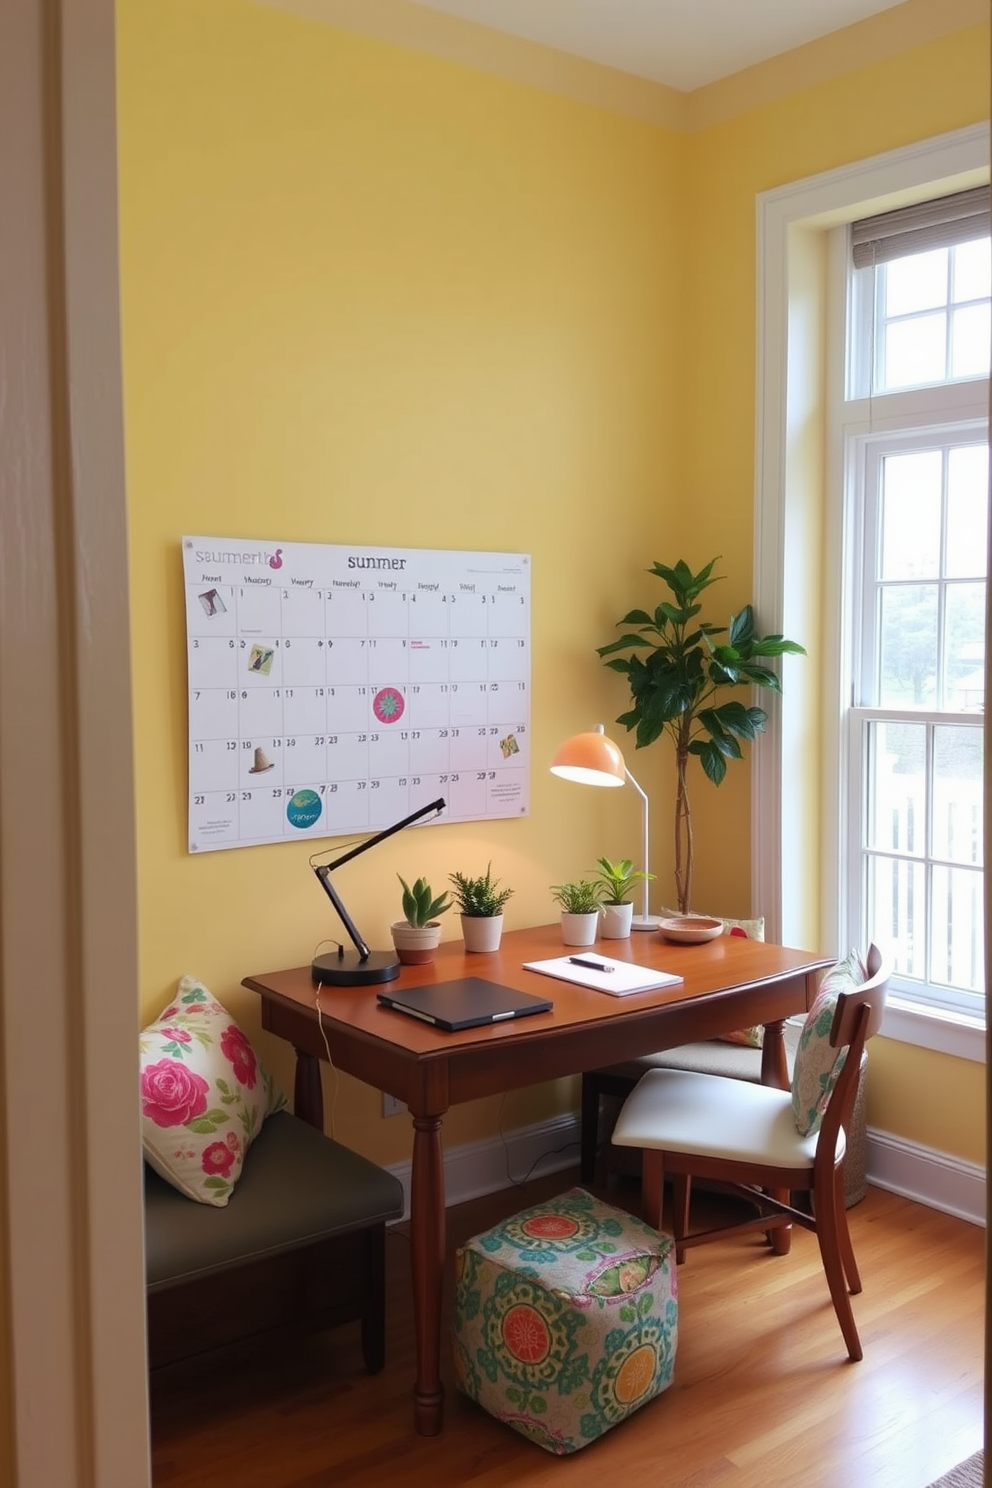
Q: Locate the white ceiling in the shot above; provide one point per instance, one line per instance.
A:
(684, 43)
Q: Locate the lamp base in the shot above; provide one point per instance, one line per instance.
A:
(645, 922)
(354, 970)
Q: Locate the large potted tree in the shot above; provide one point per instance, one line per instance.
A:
(677, 668)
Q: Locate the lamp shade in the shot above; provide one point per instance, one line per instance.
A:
(590, 759)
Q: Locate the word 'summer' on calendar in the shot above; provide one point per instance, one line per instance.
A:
(335, 689)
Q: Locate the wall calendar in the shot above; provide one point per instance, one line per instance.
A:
(337, 689)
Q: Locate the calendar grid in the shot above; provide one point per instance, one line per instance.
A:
(336, 689)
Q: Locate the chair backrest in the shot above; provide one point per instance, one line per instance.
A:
(833, 1038)
(870, 995)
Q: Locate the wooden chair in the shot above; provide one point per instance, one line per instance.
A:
(768, 1144)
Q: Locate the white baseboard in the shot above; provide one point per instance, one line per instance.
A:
(499, 1162)
(919, 1173)
(930, 1177)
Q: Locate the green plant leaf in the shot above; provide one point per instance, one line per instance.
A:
(580, 896)
(713, 763)
(627, 640)
(762, 676)
(480, 897)
(734, 718)
(776, 645)
(725, 744)
(741, 628)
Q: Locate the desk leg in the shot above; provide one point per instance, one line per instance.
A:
(427, 1251)
(774, 1068)
(775, 1071)
(308, 1095)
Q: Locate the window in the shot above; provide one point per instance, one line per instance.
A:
(916, 497)
(871, 499)
(920, 294)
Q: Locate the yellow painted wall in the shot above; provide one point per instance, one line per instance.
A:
(370, 295)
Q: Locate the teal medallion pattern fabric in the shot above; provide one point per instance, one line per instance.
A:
(565, 1319)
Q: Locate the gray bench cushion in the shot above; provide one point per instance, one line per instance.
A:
(297, 1187)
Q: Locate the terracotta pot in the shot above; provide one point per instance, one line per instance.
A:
(482, 932)
(416, 944)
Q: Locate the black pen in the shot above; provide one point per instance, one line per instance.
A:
(592, 965)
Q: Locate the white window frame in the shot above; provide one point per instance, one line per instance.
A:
(868, 450)
(792, 565)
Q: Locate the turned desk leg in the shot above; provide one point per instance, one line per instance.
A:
(427, 1252)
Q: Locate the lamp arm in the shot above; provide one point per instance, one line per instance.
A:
(644, 840)
(323, 872)
(407, 821)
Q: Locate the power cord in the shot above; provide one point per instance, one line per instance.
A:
(550, 1152)
(335, 1084)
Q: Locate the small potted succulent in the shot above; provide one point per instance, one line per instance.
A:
(579, 902)
(418, 935)
(616, 880)
(480, 902)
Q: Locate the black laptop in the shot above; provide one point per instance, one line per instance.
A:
(467, 1003)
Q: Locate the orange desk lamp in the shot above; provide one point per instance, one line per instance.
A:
(593, 759)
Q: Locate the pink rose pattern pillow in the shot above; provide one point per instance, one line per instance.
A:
(204, 1095)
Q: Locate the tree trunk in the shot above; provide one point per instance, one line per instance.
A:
(683, 833)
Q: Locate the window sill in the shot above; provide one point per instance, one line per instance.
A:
(943, 1032)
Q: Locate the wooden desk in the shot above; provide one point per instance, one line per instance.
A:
(727, 983)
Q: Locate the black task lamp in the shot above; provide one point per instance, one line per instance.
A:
(360, 967)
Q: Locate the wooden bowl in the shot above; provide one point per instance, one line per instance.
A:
(690, 929)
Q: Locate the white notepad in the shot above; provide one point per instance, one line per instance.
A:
(622, 978)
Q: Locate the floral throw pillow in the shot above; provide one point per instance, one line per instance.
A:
(204, 1095)
(818, 1064)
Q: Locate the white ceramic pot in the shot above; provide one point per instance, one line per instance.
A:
(580, 929)
(616, 921)
(416, 944)
(482, 932)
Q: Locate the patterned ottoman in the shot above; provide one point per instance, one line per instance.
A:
(566, 1319)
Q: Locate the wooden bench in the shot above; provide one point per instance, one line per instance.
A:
(302, 1237)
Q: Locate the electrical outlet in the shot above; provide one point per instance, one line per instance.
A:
(391, 1106)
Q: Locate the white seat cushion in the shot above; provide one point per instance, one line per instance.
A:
(680, 1111)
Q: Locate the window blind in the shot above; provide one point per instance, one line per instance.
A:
(925, 225)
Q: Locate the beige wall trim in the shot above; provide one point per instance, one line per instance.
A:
(472, 45)
(919, 1173)
(72, 1370)
(476, 1168)
(900, 29)
(927, 1176)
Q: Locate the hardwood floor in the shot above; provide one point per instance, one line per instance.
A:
(763, 1393)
